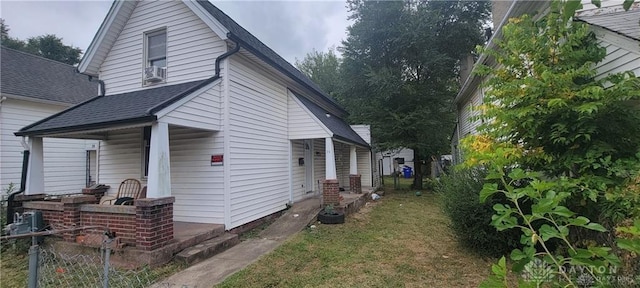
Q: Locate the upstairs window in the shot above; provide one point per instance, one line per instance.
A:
(156, 50)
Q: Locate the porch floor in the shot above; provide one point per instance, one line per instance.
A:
(182, 231)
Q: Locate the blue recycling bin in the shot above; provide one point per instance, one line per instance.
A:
(407, 171)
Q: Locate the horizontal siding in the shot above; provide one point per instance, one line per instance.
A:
(64, 159)
(301, 123)
(120, 157)
(197, 186)
(364, 166)
(364, 131)
(319, 163)
(192, 46)
(466, 113)
(258, 143)
(203, 111)
(387, 162)
(342, 163)
(618, 60)
(298, 172)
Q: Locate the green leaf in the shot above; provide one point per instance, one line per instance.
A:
(598, 3)
(595, 227)
(562, 211)
(547, 232)
(488, 189)
(570, 9)
(632, 245)
(579, 221)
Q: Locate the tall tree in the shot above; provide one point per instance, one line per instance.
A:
(324, 69)
(48, 46)
(400, 67)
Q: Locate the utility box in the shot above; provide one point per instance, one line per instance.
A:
(27, 222)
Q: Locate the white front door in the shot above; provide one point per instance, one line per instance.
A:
(308, 166)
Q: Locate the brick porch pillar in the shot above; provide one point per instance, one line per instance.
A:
(355, 183)
(330, 192)
(154, 222)
(71, 214)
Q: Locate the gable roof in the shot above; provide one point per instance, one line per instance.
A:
(120, 109)
(27, 75)
(341, 130)
(219, 22)
(626, 23)
(255, 46)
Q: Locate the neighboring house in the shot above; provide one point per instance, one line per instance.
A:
(32, 88)
(617, 30)
(386, 158)
(199, 109)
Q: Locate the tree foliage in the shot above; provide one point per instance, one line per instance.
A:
(323, 68)
(560, 138)
(400, 69)
(47, 46)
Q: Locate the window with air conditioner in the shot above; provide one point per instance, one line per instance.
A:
(155, 69)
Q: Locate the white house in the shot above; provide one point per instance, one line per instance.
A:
(617, 30)
(199, 109)
(387, 158)
(32, 88)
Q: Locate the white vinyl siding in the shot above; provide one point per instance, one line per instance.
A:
(469, 125)
(364, 166)
(258, 143)
(64, 159)
(364, 131)
(302, 124)
(319, 164)
(197, 186)
(298, 172)
(618, 59)
(192, 47)
(120, 158)
(203, 111)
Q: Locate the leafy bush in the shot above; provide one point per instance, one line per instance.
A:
(470, 219)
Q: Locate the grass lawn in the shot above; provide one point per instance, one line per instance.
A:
(401, 240)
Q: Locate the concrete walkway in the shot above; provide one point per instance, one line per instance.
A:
(215, 269)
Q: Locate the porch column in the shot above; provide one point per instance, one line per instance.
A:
(159, 178)
(330, 187)
(355, 179)
(35, 171)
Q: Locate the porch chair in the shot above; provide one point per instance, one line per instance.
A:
(128, 191)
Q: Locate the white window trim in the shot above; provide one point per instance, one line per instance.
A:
(145, 51)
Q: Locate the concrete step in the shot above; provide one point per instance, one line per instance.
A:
(207, 248)
(189, 239)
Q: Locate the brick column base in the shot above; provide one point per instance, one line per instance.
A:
(71, 214)
(154, 222)
(330, 192)
(355, 183)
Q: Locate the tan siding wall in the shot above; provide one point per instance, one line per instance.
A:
(120, 158)
(191, 47)
(259, 145)
(364, 166)
(64, 159)
(298, 172)
(318, 164)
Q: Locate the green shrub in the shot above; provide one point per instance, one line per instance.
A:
(470, 219)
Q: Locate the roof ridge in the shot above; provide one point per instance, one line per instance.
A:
(38, 57)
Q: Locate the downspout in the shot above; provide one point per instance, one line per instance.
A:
(225, 55)
(23, 180)
(102, 87)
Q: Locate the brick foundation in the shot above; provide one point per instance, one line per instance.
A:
(355, 183)
(154, 222)
(330, 192)
(148, 225)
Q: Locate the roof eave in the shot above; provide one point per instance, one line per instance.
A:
(87, 127)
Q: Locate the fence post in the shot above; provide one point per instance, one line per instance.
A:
(107, 253)
(33, 263)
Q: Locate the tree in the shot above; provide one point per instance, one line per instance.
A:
(47, 46)
(323, 68)
(400, 70)
(561, 144)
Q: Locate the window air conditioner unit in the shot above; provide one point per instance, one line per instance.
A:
(155, 74)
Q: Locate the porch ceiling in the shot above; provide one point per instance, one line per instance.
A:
(111, 112)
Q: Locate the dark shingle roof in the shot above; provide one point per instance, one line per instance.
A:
(626, 23)
(32, 76)
(340, 129)
(265, 53)
(101, 112)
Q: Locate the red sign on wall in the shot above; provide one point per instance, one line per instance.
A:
(216, 160)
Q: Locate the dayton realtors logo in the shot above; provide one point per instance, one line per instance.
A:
(539, 272)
